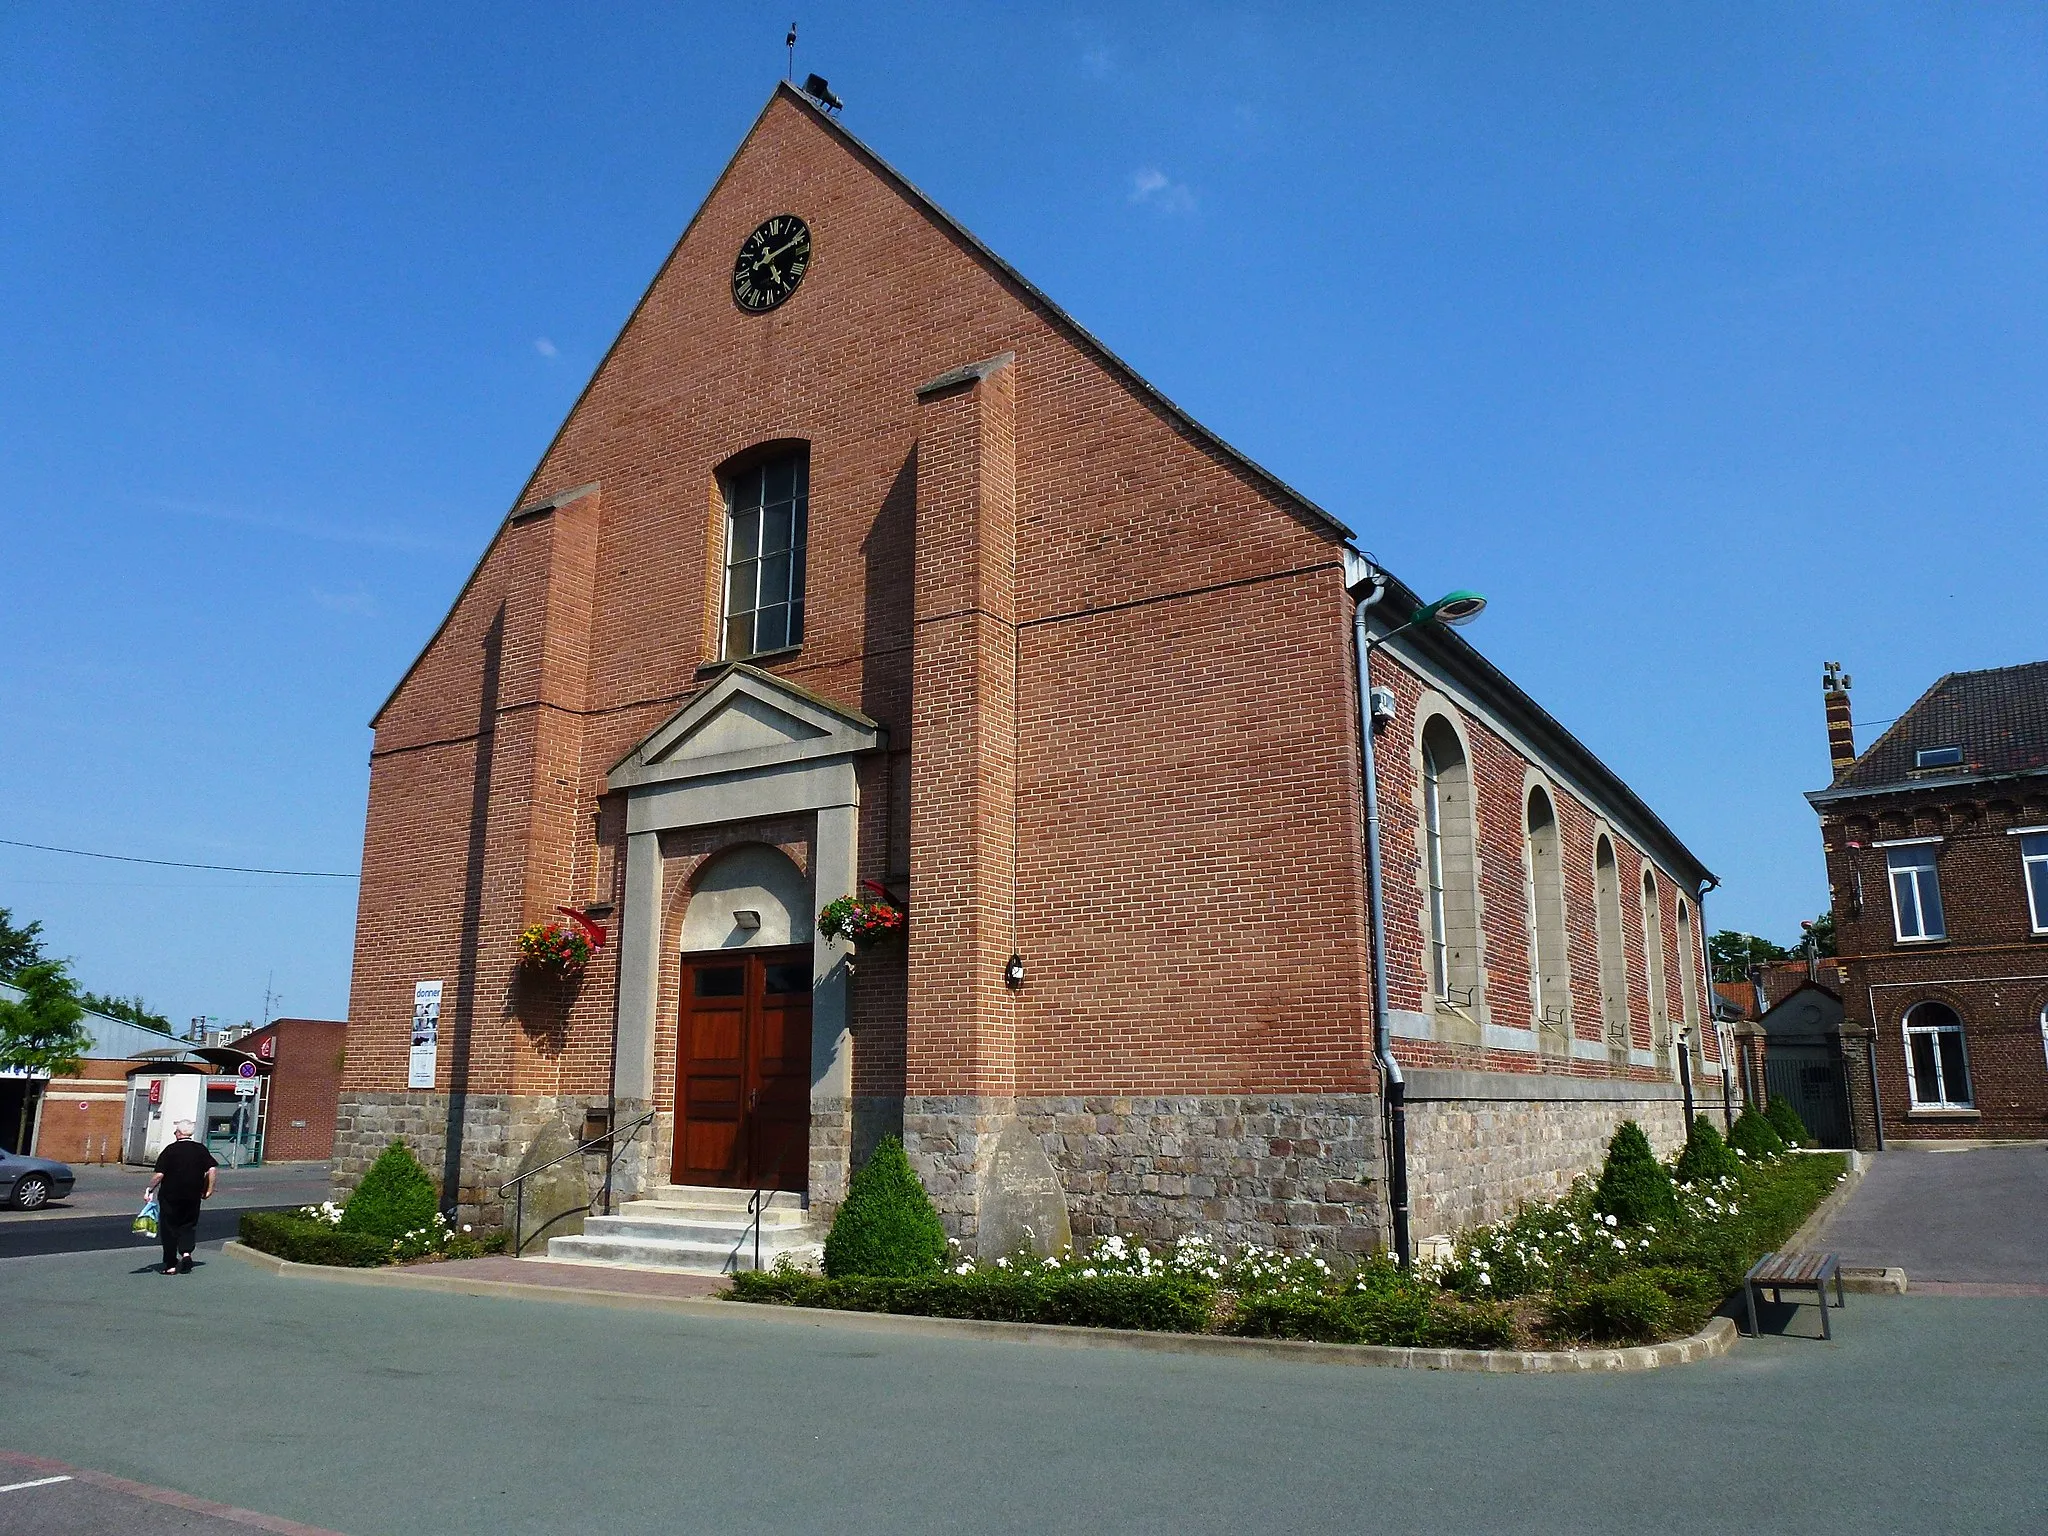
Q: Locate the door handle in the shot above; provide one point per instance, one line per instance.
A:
(754, 1099)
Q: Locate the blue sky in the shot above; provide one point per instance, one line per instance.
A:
(1710, 342)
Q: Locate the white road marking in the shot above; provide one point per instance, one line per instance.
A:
(41, 1482)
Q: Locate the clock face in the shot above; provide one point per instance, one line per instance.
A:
(771, 263)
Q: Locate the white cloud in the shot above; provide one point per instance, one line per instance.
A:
(1155, 189)
(545, 347)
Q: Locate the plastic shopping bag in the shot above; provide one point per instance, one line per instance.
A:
(145, 1219)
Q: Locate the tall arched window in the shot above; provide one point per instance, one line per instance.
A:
(1549, 956)
(767, 527)
(1653, 951)
(1937, 1066)
(1689, 982)
(1613, 964)
(1450, 867)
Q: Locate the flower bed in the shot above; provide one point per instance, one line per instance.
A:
(314, 1235)
(1552, 1276)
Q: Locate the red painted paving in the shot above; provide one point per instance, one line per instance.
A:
(580, 1277)
(40, 1497)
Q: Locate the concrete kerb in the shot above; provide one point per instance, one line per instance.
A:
(1888, 1281)
(1717, 1338)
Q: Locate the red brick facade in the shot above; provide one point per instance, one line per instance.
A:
(1111, 667)
(1990, 965)
(305, 1057)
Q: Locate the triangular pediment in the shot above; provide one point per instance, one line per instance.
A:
(746, 720)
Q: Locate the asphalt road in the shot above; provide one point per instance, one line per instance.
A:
(1978, 1214)
(115, 1189)
(48, 1500)
(89, 1234)
(384, 1412)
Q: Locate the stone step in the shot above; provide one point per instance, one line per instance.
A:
(690, 1257)
(707, 1195)
(669, 1224)
(664, 1210)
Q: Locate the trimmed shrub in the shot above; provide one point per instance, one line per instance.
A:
(1629, 1309)
(305, 1241)
(1786, 1122)
(1634, 1187)
(1752, 1135)
(1706, 1156)
(1160, 1304)
(1693, 1294)
(888, 1225)
(396, 1197)
(1409, 1313)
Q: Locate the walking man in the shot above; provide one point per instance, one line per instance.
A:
(183, 1178)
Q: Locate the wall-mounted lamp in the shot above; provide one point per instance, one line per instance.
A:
(747, 920)
(1013, 973)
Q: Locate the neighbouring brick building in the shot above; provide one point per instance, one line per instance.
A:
(305, 1058)
(859, 560)
(1937, 851)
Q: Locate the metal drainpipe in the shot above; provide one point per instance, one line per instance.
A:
(1394, 1086)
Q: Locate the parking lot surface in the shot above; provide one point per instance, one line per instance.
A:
(383, 1412)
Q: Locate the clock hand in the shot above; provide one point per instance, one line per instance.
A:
(772, 255)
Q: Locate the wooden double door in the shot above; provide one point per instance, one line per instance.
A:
(743, 1070)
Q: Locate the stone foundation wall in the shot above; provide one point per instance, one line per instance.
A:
(1294, 1172)
(1480, 1144)
(496, 1131)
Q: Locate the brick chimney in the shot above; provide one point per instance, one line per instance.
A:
(1834, 687)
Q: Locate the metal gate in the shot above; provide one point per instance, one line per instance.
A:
(1807, 1071)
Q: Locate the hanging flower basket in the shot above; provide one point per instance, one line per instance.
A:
(554, 951)
(862, 919)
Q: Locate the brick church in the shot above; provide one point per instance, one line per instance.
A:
(858, 560)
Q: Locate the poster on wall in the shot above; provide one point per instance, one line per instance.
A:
(426, 1033)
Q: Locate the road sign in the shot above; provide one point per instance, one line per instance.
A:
(246, 1088)
(247, 1069)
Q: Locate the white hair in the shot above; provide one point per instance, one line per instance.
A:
(183, 1128)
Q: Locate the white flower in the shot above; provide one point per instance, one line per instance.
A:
(1002, 1263)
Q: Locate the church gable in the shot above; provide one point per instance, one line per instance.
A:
(747, 719)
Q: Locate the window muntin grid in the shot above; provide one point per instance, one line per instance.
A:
(1937, 1066)
(2034, 865)
(767, 527)
(1916, 893)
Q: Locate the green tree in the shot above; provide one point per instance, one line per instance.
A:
(132, 1009)
(1734, 953)
(888, 1225)
(41, 1034)
(18, 946)
(1823, 930)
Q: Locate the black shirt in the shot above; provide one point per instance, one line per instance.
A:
(184, 1165)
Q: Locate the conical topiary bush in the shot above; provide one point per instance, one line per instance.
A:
(396, 1196)
(1751, 1134)
(1706, 1155)
(888, 1225)
(1785, 1120)
(1634, 1187)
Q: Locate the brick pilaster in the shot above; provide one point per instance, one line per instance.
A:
(963, 771)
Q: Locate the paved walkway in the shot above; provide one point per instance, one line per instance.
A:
(1974, 1216)
(382, 1411)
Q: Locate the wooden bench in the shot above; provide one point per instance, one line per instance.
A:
(1776, 1272)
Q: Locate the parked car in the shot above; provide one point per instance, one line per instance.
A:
(30, 1183)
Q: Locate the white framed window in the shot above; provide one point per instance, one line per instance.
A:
(1938, 757)
(1916, 893)
(2034, 865)
(1433, 860)
(1937, 1065)
(767, 526)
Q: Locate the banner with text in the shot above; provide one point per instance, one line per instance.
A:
(426, 1034)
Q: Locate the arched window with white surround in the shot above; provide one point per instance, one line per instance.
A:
(1450, 869)
(1689, 982)
(1549, 951)
(1937, 1063)
(767, 533)
(1653, 965)
(1613, 963)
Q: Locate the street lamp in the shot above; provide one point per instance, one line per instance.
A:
(1453, 608)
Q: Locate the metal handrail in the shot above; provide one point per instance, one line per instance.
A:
(519, 1184)
(755, 1206)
